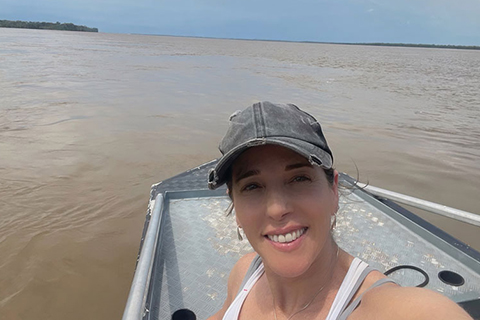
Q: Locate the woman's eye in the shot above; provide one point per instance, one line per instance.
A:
(300, 179)
(250, 187)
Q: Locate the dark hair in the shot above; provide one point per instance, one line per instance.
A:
(330, 174)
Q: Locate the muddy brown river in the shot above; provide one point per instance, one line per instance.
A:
(88, 121)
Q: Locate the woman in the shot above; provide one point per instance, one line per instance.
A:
(278, 169)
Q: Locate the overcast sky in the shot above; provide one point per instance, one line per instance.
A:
(408, 21)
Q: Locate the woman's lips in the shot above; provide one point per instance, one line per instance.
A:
(286, 237)
(287, 246)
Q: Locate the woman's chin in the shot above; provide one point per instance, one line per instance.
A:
(287, 267)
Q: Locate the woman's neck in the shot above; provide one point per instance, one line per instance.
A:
(292, 294)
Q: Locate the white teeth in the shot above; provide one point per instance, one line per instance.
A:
(288, 237)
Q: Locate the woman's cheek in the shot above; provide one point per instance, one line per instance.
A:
(248, 216)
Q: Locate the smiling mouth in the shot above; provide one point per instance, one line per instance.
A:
(287, 237)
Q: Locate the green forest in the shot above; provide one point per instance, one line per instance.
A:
(45, 25)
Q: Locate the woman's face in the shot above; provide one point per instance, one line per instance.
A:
(284, 205)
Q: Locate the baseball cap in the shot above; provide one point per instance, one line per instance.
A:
(269, 123)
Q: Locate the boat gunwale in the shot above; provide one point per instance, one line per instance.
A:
(166, 197)
(448, 244)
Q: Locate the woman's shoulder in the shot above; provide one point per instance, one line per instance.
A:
(235, 279)
(238, 273)
(390, 301)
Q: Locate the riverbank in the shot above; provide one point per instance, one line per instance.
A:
(45, 25)
(377, 44)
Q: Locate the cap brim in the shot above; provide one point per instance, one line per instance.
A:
(322, 158)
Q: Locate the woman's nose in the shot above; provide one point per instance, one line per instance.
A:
(277, 204)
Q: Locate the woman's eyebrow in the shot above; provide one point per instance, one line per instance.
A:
(246, 174)
(298, 165)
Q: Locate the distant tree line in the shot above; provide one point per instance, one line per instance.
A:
(45, 25)
(441, 46)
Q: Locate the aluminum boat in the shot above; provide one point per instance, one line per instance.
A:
(189, 246)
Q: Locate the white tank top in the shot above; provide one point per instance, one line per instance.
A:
(356, 274)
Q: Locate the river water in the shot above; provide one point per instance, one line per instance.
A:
(88, 121)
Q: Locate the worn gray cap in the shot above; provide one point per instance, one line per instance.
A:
(269, 123)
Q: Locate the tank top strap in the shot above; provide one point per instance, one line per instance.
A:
(348, 311)
(357, 272)
(251, 269)
(254, 272)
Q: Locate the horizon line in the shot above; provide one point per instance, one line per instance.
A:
(393, 44)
